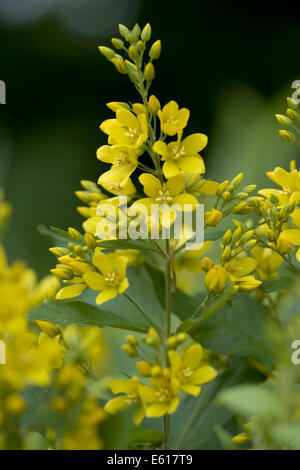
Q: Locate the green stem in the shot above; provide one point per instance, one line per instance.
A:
(168, 306)
(190, 421)
(144, 314)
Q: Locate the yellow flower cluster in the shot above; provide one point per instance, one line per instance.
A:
(41, 356)
(185, 372)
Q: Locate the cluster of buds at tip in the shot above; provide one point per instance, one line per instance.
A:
(291, 120)
(230, 192)
(133, 43)
(237, 241)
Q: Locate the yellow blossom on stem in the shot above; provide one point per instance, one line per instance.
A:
(160, 196)
(126, 129)
(215, 279)
(188, 370)
(111, 279)
(131, 395)
(173, 119)
(182, 155)
(162, 396)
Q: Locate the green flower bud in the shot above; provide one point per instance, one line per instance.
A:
(155, 50)
(107, 52)
(287, 136)
(124, 31)
(283, 120)
(117, 43)
(146, 33)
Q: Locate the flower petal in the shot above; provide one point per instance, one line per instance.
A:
(192, 356)
(192, 165)
(94, 280)
(107, 294)
(194, 143)
(203, 375)
(170, 169)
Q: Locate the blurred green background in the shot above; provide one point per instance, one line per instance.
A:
(230, 63)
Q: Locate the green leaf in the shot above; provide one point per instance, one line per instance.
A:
(82, 314)
(240, 329)
(118, 312)
(251, 400)
(189, 326)
(276, 285)
(193, 424)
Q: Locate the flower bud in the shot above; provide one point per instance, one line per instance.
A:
(107, 52)
(154, 105)
(172, 342)
(129, 350)
(149, 72)
(139, 108)
(181, 337)
(135, 33)
(117, 43)
(287, 135)
(141, 46)
(249, 189)
(222, 187)
(241, 208)
(226, 255)
(206, 264)
(283, 246)
(155, 50)
(90, 241)
(50, 329)
(120, 66)
(74, 234)
(215, 279)
(283, 120)
(132, 340)
(250, 244)
(249, 285)
(237, 180)
(226, 196)
(213, 217)
(144, 368)
(146, 33)
(15, 404)
(247, 236)
(133, 52)
(124, 31)
(156, 371)
(226, 239)
(59, 251)
(270, 235)
(292, 114)
(291, 103)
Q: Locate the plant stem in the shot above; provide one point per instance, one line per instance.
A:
(144, 314)
(168, 301)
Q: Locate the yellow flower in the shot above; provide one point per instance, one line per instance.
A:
(215, 279)
(112, 280)
(268, 262)
(124, 161)
(289, 182)
(131, 390)
(290, 236)
(162, 396)
(164, 195)
(238, 272)
(173, 119)
(187, 369)
(182, 155)
(126, 129)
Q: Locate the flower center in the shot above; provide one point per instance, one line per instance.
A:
(132, 133)
(172, 121)
(110, 278)
(178, 151)
(122, 159)
(164, 196)
(131, 398)
(163, 395)
(185, 374)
